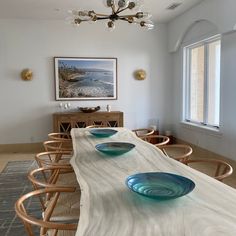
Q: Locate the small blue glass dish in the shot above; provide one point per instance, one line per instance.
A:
(103, 133)
(160, 185)
(114, 148)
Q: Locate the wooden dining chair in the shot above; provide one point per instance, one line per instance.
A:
(53, 176)
(179, 152)
(143, 132)
(53, 158)
(47, 225)
(59, 136)
(58, 145)
(68, 205)
(157, 140)
(217, 169)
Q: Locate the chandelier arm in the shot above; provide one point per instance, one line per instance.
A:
(103, 18)
(124, 19)
(113, 9)
(117, 11)
(122, 9)
(84, 20)
(98, 14)
(126, 16)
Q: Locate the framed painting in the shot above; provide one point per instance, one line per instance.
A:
(85, 78)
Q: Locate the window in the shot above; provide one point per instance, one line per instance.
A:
(202, 82)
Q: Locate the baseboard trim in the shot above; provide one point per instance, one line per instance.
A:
(21, 148)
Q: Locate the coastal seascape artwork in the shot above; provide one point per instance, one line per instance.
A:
(85, 78)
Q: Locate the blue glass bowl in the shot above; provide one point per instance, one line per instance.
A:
(160, 185)
(114, 148)
(103, 133)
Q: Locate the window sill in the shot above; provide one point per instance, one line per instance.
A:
(203, 129)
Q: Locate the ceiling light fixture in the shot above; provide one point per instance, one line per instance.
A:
(117, 8)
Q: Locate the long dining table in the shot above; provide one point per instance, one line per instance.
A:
(109, 208)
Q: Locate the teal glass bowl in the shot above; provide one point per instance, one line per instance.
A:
(114, 148)
(160, 185)
(103, 133)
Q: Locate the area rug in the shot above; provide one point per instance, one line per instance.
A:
(13, 184)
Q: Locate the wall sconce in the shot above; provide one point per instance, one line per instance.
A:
(140, 74)
(26, 74)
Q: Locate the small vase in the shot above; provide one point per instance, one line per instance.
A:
(108, 108)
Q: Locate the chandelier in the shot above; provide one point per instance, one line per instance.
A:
(118, 9)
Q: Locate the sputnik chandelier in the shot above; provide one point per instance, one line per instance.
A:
(118, 7)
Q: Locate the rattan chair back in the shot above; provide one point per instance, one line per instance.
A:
(44, 223)
(59, 136)
(143, 132)
(157, 140)
(53, 158)
(58, 145)
(179, 152)
(220, 169)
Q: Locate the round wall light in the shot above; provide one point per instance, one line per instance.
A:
(140, 74)
(27, 74)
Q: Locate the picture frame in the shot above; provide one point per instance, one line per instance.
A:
(85, 78)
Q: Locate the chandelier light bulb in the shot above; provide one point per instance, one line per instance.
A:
(84, 15)
(77, 21)
(123, 3)
(139, 15)
(94, 18)
(130, 19)
(109, 3)
(147, 24)
(131, 5)
(110, 26)
(91, 13)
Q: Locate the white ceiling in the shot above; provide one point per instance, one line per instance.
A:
(57, 9)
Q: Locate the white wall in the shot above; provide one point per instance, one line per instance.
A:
(219, 12)
(27, 107)
(224, 143)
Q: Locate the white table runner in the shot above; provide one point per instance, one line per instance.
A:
(109, 208)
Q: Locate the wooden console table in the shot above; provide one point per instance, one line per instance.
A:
(65, 121)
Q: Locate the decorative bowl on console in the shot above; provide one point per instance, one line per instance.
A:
(89, 109)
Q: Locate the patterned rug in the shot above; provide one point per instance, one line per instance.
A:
(13, 184)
